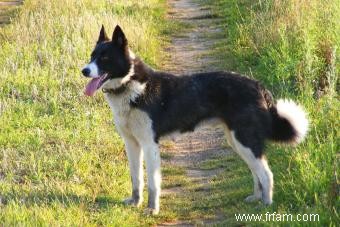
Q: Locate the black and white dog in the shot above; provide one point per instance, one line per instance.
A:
(148, 104)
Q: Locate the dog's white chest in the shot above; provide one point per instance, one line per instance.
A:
(120, 107)
(131, 119)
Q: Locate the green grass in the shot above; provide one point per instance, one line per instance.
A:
(62, 162)
(293, 48)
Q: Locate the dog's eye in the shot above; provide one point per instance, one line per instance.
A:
(104, 58)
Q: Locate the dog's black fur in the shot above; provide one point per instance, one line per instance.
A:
(181, 102)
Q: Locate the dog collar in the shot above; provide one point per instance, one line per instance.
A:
(115, 91)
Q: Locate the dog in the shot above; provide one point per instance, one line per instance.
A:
(148, 104)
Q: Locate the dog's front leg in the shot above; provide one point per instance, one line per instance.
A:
(135, 156)
(153, 168)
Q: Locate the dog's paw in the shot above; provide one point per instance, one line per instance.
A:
(132, 202)
(252, 198)
(267, 201)
(151, 211)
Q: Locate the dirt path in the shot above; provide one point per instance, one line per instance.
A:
(189, 53)
(7, 8)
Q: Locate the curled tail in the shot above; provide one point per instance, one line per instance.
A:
(289, 122)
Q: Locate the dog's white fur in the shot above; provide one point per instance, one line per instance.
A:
(258, 167)
(135, 127)
(93, 67)
(295, 115)
(127, 78)
(131, 54)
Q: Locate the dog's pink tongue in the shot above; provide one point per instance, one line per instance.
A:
(92, 86)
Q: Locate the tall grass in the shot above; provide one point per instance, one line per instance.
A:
(62, 163)
(293, 47)
(296, 40)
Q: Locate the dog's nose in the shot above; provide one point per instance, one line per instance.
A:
(86, 72)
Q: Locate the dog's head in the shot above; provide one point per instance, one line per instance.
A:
(110, 59)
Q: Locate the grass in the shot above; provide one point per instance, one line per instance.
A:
(62, 162)
(292, 47)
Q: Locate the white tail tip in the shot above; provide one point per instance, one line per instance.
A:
(295, 115)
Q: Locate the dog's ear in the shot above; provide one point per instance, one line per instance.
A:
(102, 35)
(119, 38)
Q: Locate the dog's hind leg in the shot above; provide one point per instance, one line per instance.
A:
(257, 185)
(257, 189)
(266, 175)
(135, 157)
(262, 176)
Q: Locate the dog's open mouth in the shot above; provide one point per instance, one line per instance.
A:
(94, 85)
